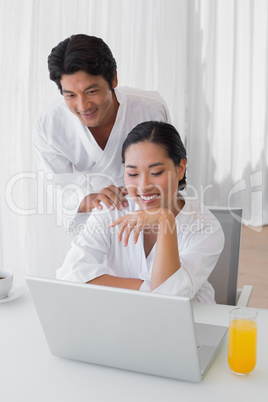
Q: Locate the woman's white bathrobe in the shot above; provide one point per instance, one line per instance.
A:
(97, 252)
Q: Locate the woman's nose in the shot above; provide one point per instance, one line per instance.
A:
(144, 183)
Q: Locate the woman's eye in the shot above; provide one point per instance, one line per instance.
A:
(132, 174)
(157, 173)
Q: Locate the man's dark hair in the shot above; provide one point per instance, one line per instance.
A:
(159, 133)
(81, 53)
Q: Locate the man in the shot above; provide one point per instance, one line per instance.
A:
(78, 140)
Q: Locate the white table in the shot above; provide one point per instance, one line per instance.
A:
(29, 372)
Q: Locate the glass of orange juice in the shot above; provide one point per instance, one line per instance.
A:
(242, 346)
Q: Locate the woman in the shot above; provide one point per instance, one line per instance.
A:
(162, 242)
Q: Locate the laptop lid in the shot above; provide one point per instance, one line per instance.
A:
(121, 328)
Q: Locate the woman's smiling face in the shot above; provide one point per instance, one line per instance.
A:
(151, 177)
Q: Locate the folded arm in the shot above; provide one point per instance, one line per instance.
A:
(114, 281)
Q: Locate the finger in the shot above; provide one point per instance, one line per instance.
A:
(102, 198)
(127, 232)
(136, 232)
(131, 225)
(122, 228)
(120, 199)
(111, 197)
(125, 228)
(118, 221)
(115, 195)
(124, 191)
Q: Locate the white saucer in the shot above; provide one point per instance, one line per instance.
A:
(15, 292)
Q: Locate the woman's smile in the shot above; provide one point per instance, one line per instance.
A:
(149, 198)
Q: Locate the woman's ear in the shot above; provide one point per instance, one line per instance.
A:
(115, 80)
(181, 168)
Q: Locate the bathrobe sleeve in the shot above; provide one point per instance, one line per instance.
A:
(87, 258)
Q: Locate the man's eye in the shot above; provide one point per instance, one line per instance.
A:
(158, 173)
(91, 92)
(132, 174)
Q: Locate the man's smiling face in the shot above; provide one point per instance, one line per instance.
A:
(89, 97)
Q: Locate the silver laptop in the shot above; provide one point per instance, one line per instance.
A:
(126, 329)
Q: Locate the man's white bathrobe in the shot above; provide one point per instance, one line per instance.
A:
(71, 160)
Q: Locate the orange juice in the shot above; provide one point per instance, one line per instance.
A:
(242, 349)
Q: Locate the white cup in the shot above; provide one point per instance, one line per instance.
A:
(6, 282)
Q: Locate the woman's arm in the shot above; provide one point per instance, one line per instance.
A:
(166, 259)
(115, 281)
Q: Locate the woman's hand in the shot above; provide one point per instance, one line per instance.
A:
(140, 220)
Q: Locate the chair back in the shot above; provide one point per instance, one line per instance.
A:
(225, 274)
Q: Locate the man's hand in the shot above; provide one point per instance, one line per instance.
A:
(111, 196)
